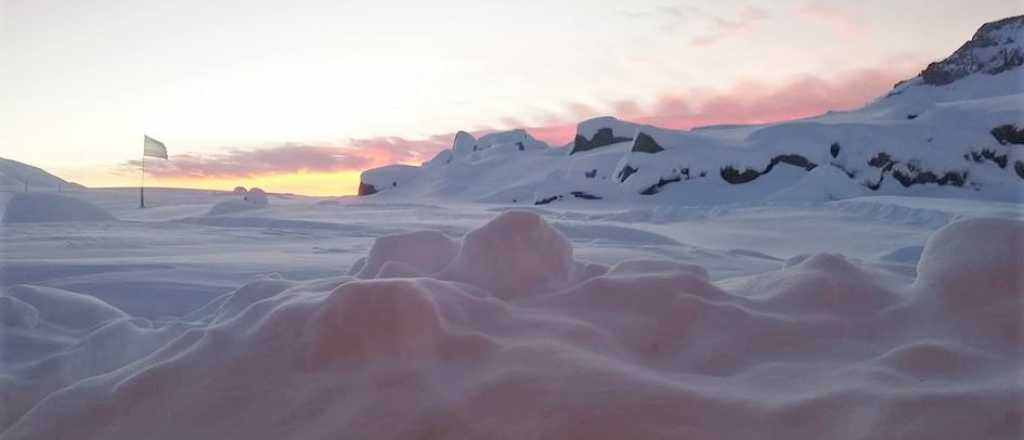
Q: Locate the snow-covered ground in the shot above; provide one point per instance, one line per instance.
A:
(573, 320)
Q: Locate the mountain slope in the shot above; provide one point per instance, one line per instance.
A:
(14, 175)
(954, 131)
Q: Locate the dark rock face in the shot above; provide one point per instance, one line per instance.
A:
(968, 59)
(366, 189)
(590, 174)
(980, 156)
(585, 195)
(547, 200)
(1008, 134)
(1018, 167)
(626, 172)
(645, 144)
(911, 174)
(791, 159)
(881, 160)
(684, 174)
(914, 176)
(734, 176)
(603, 136)
(834, 149)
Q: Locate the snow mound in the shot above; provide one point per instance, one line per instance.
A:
(517, 253)
(822, 184)
(516, 338)
(254, 198)
(51, 207)
(975, 261)
(418, 252)
(239, 190)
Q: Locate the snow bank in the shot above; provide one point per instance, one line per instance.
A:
(36, 207)
(505, 334)
(254, 198)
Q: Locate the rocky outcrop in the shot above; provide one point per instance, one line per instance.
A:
(993, 49)
(736, 177)
(603, 137)
(981, 156)
(1008, 134)
(625, 172)
(366, 189)
(644, 143)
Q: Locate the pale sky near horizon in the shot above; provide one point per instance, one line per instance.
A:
(275, 84)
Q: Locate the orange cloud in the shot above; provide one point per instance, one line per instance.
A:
(334, 168)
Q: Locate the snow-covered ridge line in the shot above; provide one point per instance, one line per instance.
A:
(17, 176)
(958, 139)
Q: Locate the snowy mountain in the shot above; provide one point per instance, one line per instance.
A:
(954, 130)
(15, 175)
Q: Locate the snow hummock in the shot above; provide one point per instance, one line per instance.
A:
(254, 198)
(41, 207)
(516, 337)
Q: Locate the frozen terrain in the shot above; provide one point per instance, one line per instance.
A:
(312, 318)
(638, 283)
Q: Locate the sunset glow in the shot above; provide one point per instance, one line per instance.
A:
(82, 82)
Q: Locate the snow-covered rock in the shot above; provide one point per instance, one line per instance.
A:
(254, 198)
(995, 48)
(386, 178)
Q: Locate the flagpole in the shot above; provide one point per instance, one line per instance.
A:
(142, 182)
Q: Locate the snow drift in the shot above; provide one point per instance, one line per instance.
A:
(254, 198)
(505, 334)
(39, 207)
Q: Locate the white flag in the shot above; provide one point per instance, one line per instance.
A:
(154, 148)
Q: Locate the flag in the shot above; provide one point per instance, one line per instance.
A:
(154, 148)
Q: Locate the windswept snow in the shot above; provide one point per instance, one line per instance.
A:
(39, 207)
(508, 334)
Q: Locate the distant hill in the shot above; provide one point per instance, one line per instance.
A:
(14, 175)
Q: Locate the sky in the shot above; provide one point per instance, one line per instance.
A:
(300, 96)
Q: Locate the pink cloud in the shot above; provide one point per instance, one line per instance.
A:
(357, 154)
(748, 102)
